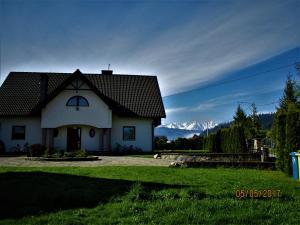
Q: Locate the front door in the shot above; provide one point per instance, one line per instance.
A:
(73, 139)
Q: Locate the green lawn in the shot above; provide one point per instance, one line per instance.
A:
(144, 195)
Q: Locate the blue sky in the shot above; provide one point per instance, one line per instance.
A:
(190, 45)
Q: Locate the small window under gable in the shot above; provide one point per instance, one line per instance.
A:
(77, 101)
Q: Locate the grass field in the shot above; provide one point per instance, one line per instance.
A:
(144, 195)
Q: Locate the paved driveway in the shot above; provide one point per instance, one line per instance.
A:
(104, 161)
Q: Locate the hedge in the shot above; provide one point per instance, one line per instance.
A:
(286, 130)
(227, 140)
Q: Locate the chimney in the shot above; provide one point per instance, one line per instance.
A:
(107, 72)
(43, 87)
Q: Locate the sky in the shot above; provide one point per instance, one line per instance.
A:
(208, 55)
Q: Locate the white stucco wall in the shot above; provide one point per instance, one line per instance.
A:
(143, 132)
(57, 114)
(87, 142)
(33, 131)
(60, 142)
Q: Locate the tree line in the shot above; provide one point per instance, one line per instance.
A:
(231, 138)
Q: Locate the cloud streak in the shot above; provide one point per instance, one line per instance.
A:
(221, 101)
(217, 38)
(244, 36)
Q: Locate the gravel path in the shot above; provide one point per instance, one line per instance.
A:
(104, 161)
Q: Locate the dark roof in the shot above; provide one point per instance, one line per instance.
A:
(133, 95)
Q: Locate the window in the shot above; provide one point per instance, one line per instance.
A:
(128, 133)
(77, 101)
(18, 133)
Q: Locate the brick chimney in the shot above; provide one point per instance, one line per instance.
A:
(43, 87)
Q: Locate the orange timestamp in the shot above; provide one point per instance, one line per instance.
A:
(253, 193)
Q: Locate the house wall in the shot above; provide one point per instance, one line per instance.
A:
(33, 131)
(87, 142)
(57, 114)
(143, 132)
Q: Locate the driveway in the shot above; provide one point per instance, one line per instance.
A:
(104, 161)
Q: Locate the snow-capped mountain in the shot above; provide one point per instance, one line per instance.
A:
(185, 130)
(193, 125)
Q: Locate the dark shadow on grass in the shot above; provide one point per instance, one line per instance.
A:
(33, 193)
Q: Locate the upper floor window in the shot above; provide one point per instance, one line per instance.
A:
(77, 101)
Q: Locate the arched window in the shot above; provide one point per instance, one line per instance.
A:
(78, 101)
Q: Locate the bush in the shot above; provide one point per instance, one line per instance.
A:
(127, 149)
(37, 150)
(69, 154)
(57, 154)
(79, 153)
(49, 152)
(2, 147)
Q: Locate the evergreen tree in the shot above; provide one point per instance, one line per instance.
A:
(289, 94)
(279, 135)
(292, 140)
(254, 125)
(240, 117)
(286, 126)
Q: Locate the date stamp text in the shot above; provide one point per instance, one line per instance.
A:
(253, 193)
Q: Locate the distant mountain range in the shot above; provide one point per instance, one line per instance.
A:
(188, 129)
(193, 125)
(185, 130)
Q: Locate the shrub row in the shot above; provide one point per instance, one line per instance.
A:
(194, 143)
(38, 150)
(286, 130)
(227, 140)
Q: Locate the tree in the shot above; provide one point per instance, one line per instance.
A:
(292, 140)
(286, 126)
(240, 117)
(289, 94)
(161, 143)
(279, 135)
(254, 125)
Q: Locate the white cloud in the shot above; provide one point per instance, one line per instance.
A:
(176, 110)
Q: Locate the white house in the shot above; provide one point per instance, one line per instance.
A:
(73, 111)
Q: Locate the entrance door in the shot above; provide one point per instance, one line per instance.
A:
(73, 139)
